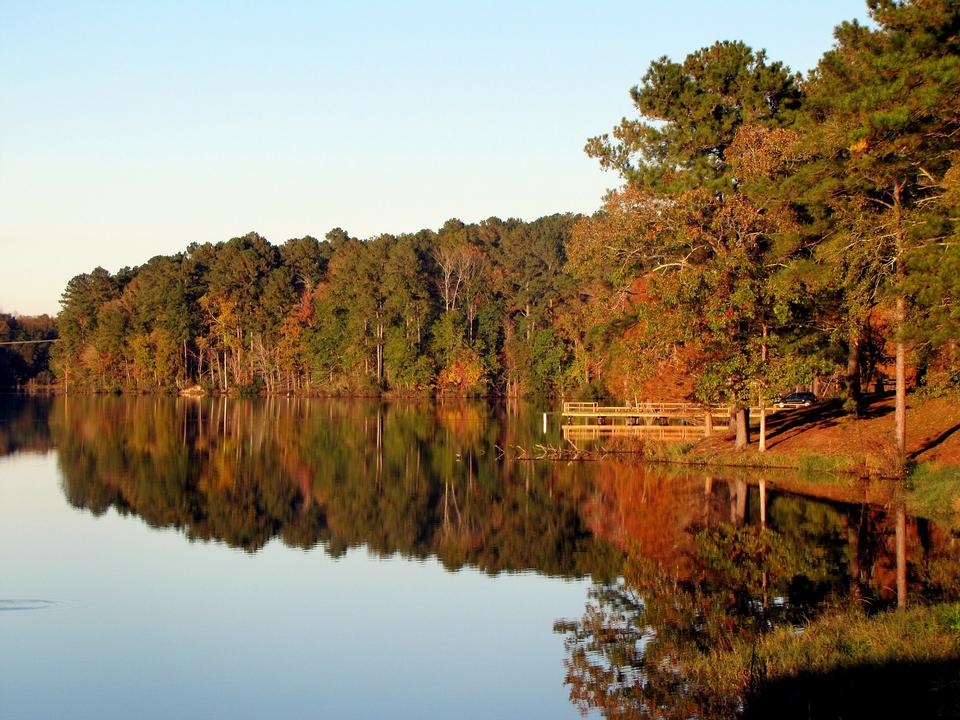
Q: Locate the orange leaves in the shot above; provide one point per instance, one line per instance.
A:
(464, 375)
(860, 146)
(762, 152)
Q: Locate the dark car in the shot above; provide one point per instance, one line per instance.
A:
(797, 399)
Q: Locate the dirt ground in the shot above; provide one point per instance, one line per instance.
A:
(933, 433)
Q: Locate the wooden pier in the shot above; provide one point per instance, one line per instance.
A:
(573, 433)
(655, 420)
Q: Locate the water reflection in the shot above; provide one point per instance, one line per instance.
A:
(738, 600)
(10, 604)
(24, 424)
(418, 480)
(715, 594)
(422, 479)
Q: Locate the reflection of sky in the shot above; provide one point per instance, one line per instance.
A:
(147, 624)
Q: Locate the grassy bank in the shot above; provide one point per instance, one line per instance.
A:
(836, 666)
(933, 491)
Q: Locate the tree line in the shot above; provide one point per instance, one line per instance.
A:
(771, 230)
(469, 309)
(25, 350)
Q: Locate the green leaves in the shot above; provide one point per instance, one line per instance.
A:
(690, 114)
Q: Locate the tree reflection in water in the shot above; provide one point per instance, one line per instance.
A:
(765, 604)
(415, 479)
(731, 597)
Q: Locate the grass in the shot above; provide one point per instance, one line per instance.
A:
(668, 451)
(815, 465)
(812, 466)
(934, 492)
(847, 639)
(840, 643)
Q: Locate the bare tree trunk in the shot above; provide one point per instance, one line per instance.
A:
(379, 352)
(379, 362)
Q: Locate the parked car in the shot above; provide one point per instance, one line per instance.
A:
(797, 399)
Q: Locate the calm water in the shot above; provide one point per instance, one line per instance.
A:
(297, 559)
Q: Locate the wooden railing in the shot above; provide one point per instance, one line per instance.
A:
(569, 407)
(645, 409)
(651, 409)
(653, 432)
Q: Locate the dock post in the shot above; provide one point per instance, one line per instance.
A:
(708, 423)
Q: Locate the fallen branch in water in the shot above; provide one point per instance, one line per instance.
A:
(549, 452)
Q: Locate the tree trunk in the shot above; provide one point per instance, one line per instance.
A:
(852, 377)
(900, 433)
(762, 446)
(379, 353)
(743, 428)
(901, 401)
(379, 362)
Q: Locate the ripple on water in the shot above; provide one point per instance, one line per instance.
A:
(24, 604)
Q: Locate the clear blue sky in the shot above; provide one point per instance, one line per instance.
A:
(130, 130)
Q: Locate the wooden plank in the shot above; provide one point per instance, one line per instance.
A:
(662, 432)
(649, 410)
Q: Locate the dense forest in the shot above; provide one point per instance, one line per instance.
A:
(770, 231)
(469, 309)
(24, 352)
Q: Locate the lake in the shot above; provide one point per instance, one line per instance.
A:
(296, 558)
